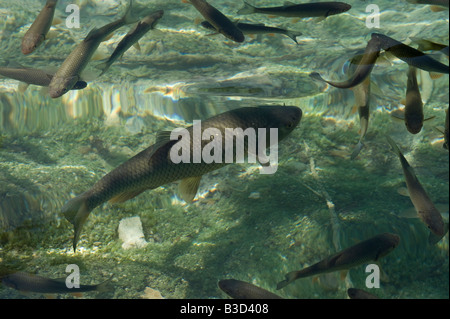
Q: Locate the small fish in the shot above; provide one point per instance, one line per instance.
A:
(36, 34)
(410, 55)
(34, 76)
(433, 3)
(427, 45)
(70, 70)
(153, 166)
(371, 249)
(220, 22)
(304, 10)
(413, 105)
(363, 69)
(132, 37)
(446, 130)
(238, 289)
(362, 99)
(425, 208)
(355, 293)
(26, 282)
(248, 28)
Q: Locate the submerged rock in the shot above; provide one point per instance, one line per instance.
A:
(131, 233)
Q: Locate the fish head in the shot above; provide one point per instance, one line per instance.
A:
(285, 118)
(30, 42)
(61, 85)
(389, 243)
(339, 8)
(414, 123)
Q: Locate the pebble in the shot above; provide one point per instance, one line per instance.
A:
(131, 233)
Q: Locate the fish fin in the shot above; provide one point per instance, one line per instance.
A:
(198, 20)
(99, 56)
(398, 117)
(105, 286)
(437, 8)
(22, 87)
(293, 35)
(246, 9)
(343, 274)
(408, 213)
(103, 67)
(356, 150)
(394, 146)
(123, 197)
(403, 101)
(288, 3)
(108, 37)
(271, 16)
(435, 76)
(252, 36)
(137, 46)
(77, 294)
(320, 19)
(188, 188)
(128, 17)
(429, 118)
(271, 34)
(57, 21)
(440, 130)
(290, 277)
(316, 76)
(354, 109)
(76, 212)
(315, 279)
(295, 20)
(403, 191)
(52, 34)
(44, 91)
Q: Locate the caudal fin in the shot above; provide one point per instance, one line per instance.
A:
(356, 150)
(293, 35)
(128, 18)
(247, 9)
(290, 277)
(76, 212)
(103, 67)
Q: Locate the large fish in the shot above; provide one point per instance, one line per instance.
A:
(220, 22)
(69, 72)
(154, 167)
(248, 28)
(238, 289)
(369, 250)
(304, 10)
(34, 76)
(36, 34)
(363, 69)
(25, 282)
(425, 208)
(132, 37)
(410, 55)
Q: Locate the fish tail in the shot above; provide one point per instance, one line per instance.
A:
(128, 17)
(394, 146)
(247, 9)
(290, 277)
(357, 149)
(293, 35)
(104, 286)
(103, 67)
(76, 212)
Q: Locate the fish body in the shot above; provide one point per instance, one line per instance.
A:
(70, 70)
(425, 208)
(446, 130)
(34, 76)
(304, 10)
(217, 19)
(363, 69)
(132, 37)
(238, 289)
(355, 293)
(248, 28)
(369, 250)
(414, 106)
(154, 167)
(36, 34)
(410, 55)
(362, 100)
(26, 282)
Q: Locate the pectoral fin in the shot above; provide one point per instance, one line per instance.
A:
(188, 188)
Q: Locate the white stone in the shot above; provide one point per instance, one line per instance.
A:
(131, 233)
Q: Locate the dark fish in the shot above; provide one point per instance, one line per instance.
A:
(238, 289)
(363, 69)
(413, 105)
(34, 76)
(355, 293)
(132, 37)
(153, 167)
(371, 249)
(220, 22)
(248, 28)
(425, 208)
(410, 55)
(69, 72)
(304, 10)
(427, 45)
(35, 35)
(26, 282)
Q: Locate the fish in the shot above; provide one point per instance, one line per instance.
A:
(427, 45)
(153, 167)
(371, 249)
(304, 10)
(70, 70)
(248, 28)
(433, 3)
(26, 282)
(413, 106)
(34, 76)
(238, 289)
(36, 34)
(425, 208)
(355, 293)
(132, 37)
(446, 130)
(410, 55)
(362, 99)
(217, 19)
(363, 69)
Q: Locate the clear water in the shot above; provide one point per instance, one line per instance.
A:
(242, 225)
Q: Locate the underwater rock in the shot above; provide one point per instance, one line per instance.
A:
(150, 293)
(131, 233)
